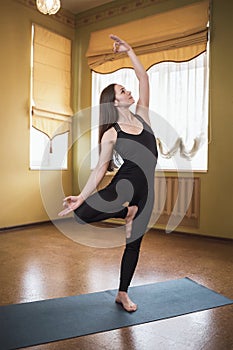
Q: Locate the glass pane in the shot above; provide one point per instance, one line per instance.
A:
(46, 155)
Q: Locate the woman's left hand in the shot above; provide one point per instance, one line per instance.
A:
(119, 45)
(71, 203)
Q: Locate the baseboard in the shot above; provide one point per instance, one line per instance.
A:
(32, 224)
(112, 223)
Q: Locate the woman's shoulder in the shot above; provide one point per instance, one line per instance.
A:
(110, 135)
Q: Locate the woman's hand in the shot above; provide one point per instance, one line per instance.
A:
(71, 203)
(119, 45)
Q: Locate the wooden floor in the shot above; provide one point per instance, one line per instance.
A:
(41, 262)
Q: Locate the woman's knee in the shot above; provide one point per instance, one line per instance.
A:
(80, 216)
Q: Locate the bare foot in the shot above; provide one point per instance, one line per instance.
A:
(132, 211)
(123, 299)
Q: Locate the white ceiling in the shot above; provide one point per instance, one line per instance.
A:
(77, 6)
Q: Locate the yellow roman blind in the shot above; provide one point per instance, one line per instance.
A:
(51, 82)
(176, 35)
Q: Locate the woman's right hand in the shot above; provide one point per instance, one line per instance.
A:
(71, 203)
(119, 45)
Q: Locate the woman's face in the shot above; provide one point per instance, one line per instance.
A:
(123, 98)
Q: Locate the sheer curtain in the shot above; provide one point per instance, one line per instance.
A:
(178, 110)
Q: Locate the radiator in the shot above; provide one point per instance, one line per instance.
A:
(177, 201)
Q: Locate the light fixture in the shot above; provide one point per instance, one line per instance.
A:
(49, 7)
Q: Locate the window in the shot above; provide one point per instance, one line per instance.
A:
(178, 110)
(50, 121)
(41, 157)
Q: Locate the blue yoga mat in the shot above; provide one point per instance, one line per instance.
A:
(39, 322)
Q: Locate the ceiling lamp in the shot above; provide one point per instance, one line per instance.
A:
(48, 6)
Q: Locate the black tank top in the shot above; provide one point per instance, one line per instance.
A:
(139, 153)
(137, 148)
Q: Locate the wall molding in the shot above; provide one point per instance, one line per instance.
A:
(87, 18)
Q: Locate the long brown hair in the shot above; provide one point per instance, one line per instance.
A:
(108, 114)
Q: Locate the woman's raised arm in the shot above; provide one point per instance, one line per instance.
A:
(141, 74)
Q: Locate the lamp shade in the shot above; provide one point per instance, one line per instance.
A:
(49, 7)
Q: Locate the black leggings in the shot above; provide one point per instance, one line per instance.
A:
(87, 213)
(129, 263)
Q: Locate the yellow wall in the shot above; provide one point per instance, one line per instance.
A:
(216, 185)
(20, 188)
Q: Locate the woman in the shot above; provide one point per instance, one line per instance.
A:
(131, 136)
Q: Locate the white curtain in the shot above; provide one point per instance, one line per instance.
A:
(179, 94)
(178, 110)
